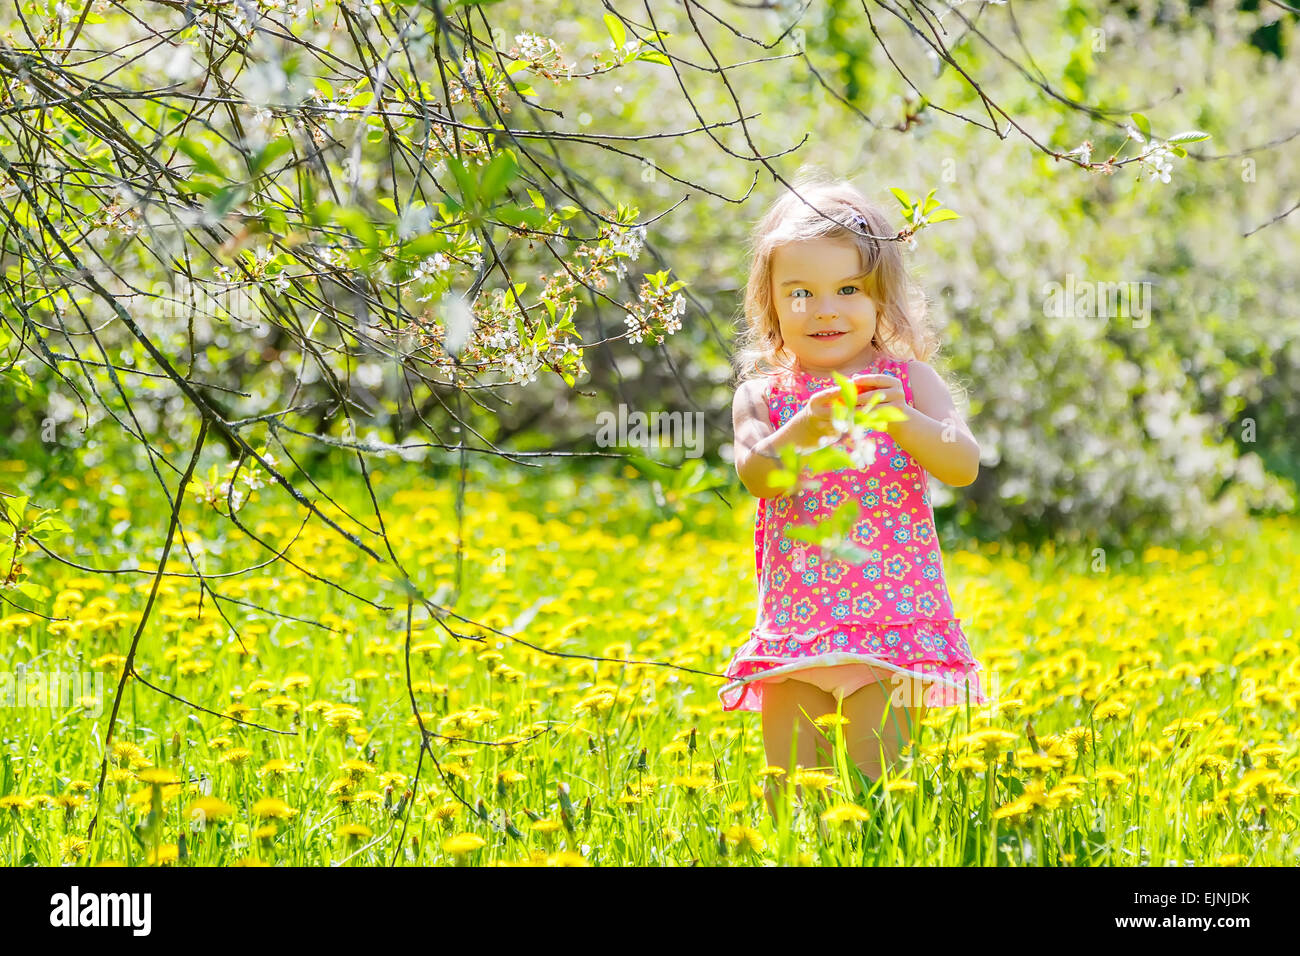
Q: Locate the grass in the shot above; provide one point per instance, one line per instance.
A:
(1160, 692)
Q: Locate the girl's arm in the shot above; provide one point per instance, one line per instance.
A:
(937, 437)
(756, 445)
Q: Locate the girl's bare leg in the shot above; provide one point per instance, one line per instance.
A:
(877, 730)
(789, 708)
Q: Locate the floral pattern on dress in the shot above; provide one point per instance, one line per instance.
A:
(892, 609)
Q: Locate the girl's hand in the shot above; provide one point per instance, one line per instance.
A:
(889, 388)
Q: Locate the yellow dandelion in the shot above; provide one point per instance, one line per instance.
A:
(508, 777)
(600, 703)
(1258, 782)
(693, 783)
(340, 716)
(340, 785)
(830, 721)
(355, 831)
(969, 763)
(1014, 809)
(208, 808)
(463, 843)
(446, 811)
(1110, 709)
(274, 808)
(125, 752)
(72, 847)
(280, 705)
(356, 769)
(846, 813)
(567, 858)
(277, 768)
(162, 855)
(157, 776)
(745, 838)
(990, 740)
(1039, 763)
(813, 779)
(1064, 794)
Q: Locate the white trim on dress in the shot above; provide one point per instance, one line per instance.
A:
(835, 658)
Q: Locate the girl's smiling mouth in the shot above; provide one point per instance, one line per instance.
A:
(825, 335)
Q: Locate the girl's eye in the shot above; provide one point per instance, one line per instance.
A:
(795, 292)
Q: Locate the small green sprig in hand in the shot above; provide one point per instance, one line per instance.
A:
(853, 413)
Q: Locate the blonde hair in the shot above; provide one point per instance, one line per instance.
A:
(902, 330)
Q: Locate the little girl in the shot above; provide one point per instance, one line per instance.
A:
(879, 635)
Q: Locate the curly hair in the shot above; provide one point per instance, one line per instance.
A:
(902, 330)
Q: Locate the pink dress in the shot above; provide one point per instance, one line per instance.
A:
(840, 625)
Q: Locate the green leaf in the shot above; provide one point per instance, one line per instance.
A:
(617, 31)
(15, 508)
(781, 478)
(202, 157)
(355, 221)
(903, 198)
(943, 215)
(521, 217)
(225, 199)
(1190, 136)
(464, 181)
(652, 56)
(848, 391)
(457, 4)
(498, 175)
(33, 590)
(271, 152)
(1144, 127)
(652, 469)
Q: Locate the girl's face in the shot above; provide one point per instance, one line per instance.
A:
(825, 315)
